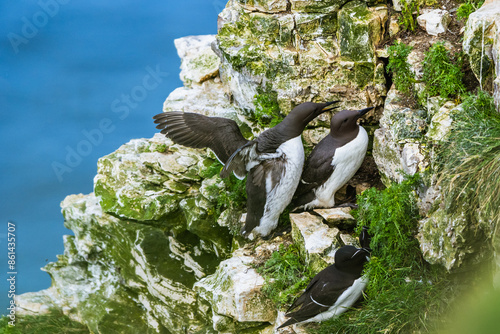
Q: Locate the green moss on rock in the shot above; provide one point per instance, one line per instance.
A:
(354, 32)
(319, 6)
(364, 73)
(310, 26)
(118, 265)
(479, 37)
(407, 123)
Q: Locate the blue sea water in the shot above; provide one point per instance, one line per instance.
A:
(66, 69)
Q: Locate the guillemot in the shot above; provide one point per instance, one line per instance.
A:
(333, 161)
(273, 161)
(334, 289)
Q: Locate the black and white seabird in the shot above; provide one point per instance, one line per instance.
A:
(333, 161)
(334, 289)
(273, 161)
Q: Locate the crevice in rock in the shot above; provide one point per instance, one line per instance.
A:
(387, 76)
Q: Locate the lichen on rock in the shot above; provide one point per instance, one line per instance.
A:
(300, 53)
(317, 241)
(396, 148)
(234, 292)
(198, 62)
(119, 274)
(481, 43)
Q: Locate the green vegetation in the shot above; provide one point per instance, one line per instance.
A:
(161, 148)
(232, 197)
(470, 160)
(406, 19)
(467, 8)
(404, 293)
(211, 169)
(398, 64)
(286, 275)
(53, 322)
(267, 111)
(442, 74)
(391, 215)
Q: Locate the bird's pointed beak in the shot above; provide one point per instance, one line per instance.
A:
(362, 112)
(330, 106)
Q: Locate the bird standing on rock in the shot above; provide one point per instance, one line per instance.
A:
(333, 161)
(273, 161)
(334, 289)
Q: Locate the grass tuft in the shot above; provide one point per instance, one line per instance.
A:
(408, 8)
(467, 8)
(398, 64)
(286, 275)
(442, 73)
(469, 160)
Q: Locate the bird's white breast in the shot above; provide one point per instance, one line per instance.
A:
(280, 196)
(346, 161)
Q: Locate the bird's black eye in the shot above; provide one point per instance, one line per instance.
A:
(345, 120)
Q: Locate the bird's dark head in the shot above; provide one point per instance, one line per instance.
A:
(345, 121)
(351, 259)
(302, 114)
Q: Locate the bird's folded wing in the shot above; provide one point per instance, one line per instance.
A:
(324, 288)
(316, 172)
(221, 135)
(327, 293)
(262, 179)
(303, 298)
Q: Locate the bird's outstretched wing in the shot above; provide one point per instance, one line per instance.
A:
(221, 135)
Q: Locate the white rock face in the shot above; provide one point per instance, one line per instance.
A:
(198, 62)
(397, 5)
(397, 144)
(318, 241)
(336, 215)
(434, 22)
(242, 87)
(264, 6)
(234, 291)
(441, 122)
(207, 99)
(300, 57)
(314, 136)
(481, 42)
